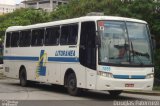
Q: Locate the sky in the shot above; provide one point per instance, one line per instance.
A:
(10, 2)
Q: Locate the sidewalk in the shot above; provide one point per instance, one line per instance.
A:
(1, 74)
(153, 93)
(1, 71)
(1, 68)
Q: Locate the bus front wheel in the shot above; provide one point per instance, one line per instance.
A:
(23, 77)
(72, 85)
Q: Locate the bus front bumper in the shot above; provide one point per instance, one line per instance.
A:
(104, 83)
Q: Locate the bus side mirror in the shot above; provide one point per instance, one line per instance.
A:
(97, 39)
(153, 41)
(152, 36)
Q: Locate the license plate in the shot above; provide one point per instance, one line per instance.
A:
(129, 85)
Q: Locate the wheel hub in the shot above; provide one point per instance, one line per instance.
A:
(72, 84)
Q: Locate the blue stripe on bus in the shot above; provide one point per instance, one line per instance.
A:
(20, 58)
(127, 76)
(121, 76)
(63, 59)
(56, 59)
(138, 76)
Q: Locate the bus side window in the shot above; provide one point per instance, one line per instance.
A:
(64, 35)
(15, 39)
(87, 54)
(73, 34)
(37, 37)
(25, 38)
(52, 36)
(8, 39)
(69, 34)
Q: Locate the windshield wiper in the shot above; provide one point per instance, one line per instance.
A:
(136, 54)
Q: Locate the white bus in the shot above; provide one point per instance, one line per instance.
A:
(91, 52)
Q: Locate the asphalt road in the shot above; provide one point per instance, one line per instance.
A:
(52, 95)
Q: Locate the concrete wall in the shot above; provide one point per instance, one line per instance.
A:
(6, 8)
(47, 5)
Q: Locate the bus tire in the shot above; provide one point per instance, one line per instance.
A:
(115, 93)
(23, 77)
(72, 85)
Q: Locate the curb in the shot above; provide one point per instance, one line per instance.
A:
(152, 93)
(1, 70)
(2, 76)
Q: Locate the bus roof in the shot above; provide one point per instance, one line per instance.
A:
(74, 20)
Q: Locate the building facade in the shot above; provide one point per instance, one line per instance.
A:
(47, 5)
(6, 8)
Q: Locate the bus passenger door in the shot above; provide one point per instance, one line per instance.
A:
(87, 53)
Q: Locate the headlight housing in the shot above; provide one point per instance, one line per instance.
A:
(148, 76)
(105, 74)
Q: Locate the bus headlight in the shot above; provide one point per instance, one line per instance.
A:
(105, 74)
(148, 76)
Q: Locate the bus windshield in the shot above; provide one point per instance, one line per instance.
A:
(124, 43)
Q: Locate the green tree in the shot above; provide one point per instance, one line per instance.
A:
(22, 17)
